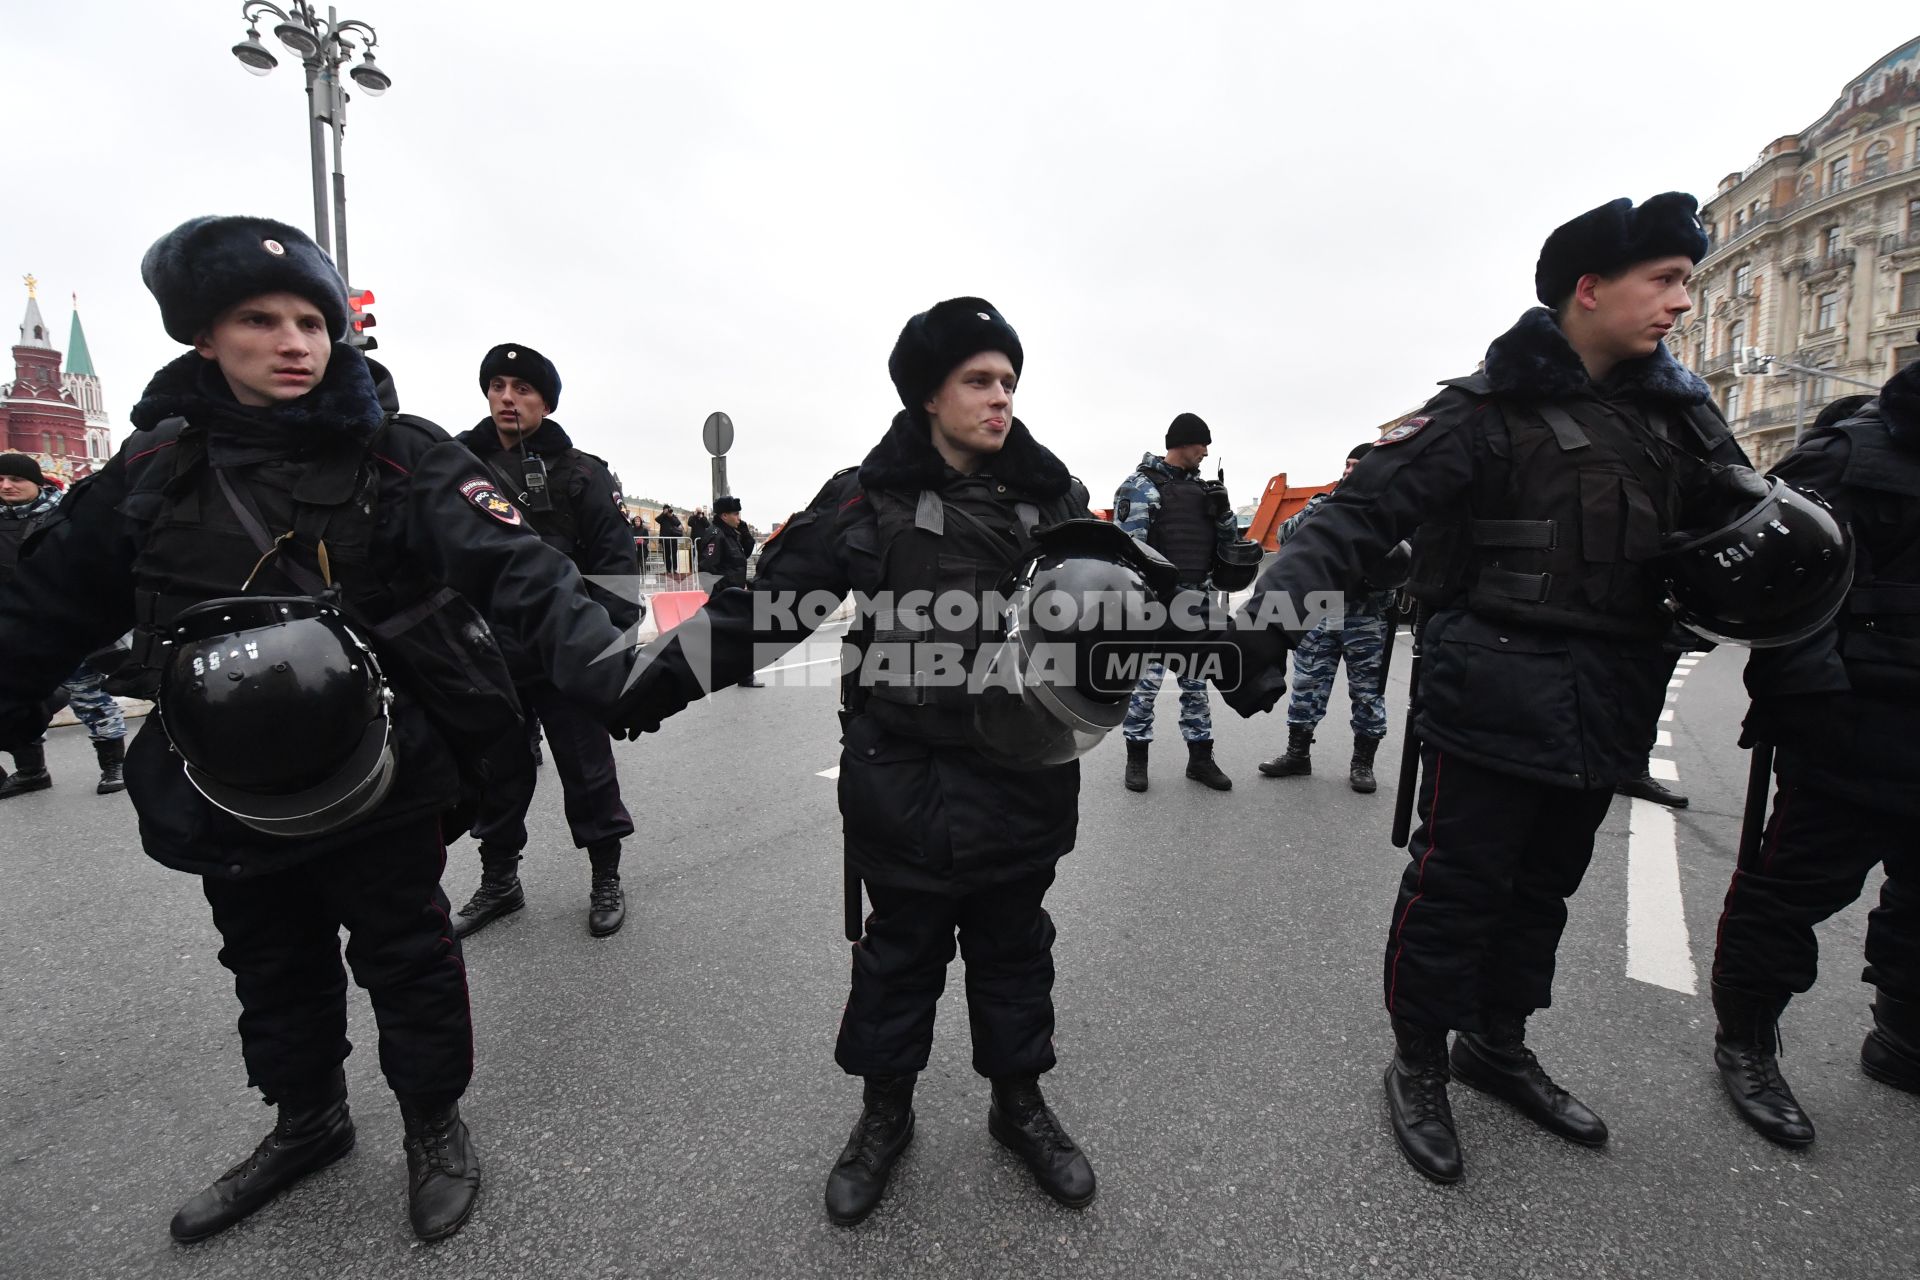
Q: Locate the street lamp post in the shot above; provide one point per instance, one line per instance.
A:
(324, 45)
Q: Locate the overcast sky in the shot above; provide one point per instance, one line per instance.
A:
(1292, 223)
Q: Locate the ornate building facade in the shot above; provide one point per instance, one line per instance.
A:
(1815, 259)
(58, 417)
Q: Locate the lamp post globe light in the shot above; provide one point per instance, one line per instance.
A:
(323, 45)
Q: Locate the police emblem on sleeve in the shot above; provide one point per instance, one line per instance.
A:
(483, 495)
(1405, 431)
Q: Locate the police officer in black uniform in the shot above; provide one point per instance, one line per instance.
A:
(725, 549)
(944, 838)
(1839, 711)
(264, 463)
(567, 495)
(1542, 488)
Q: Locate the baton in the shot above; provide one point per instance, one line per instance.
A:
(855, 924)
(1753, 822)
(1409, 740)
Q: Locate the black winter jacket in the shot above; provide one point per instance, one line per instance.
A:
(1838, 724)
(915, 814)
(1553, 705)
(436, 516)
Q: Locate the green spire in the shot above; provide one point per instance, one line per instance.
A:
(79, 359)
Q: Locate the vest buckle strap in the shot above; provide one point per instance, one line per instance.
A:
(1566, 432)
(1533, 588)
(1522, 535)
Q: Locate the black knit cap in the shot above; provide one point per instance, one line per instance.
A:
(1613, 237)
(1188, 428)
(205, 265)
(937, 340)
(1360, 450)
(723, 505)
(22, 467)
(517, 360)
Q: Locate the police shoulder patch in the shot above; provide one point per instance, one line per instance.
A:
(1404, 431)
(483, 495)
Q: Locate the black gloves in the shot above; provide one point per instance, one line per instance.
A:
(1214, 498)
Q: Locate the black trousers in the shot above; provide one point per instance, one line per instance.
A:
(582, 752)
(1812, 862)
(1483, 900)
(900, 969)
(280, 936)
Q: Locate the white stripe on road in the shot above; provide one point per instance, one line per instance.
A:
(829, 773)
(1666, 717)
(1658, 951)
(1661, 738)
(1663, 769)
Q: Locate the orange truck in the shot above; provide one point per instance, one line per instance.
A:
(1280, 501)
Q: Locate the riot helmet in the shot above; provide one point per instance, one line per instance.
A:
(1774, 574)
(1088, 585)
(1236, 564)
(279, 712)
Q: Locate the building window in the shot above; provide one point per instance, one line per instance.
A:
(1732, 405)
(1739, 220)
(1913, 212)
(1910, 291)
(1830, 242)
(1806, 186)
(1904, 356)
(1736, 336)
(1837, 170)
(1743, 280)
(1829, 311)
(1878, 159)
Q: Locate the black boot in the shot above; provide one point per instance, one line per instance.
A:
(1137, 765)
(882, 1132)
(1497, 1061)
(1298, 760)
(312, 1131)
(499, 893)
(1891, 1051)
(1022, 1122)
(1202, 769)
(606, 904)
(1744, 1049)
(1648, 787)
(112, 753)
(1360, 773)
(29, 772)
(1417, 1102)
(443, 1174)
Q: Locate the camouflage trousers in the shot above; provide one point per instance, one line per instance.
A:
(92, 705)
(1315, 659)
(1196, 717)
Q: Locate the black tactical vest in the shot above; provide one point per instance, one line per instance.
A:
(1880, 625)
(195, 548)
(1181, 530)
(1566, 531)
(961, 540)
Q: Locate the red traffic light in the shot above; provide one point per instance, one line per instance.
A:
(360, 319)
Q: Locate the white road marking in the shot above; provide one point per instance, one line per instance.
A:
(795, 666)
(1663, 769)
(1676, 683)
(1658, 951)
(1689, 663)
(829, 773)
(1666, 717)
(1661, 738)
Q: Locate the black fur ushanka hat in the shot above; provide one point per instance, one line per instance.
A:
(1615, 236)
(205, 265)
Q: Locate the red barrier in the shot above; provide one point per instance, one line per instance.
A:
(669, 609)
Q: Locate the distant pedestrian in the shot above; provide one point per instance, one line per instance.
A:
(724, 550)
(25, 498)
(668, 526)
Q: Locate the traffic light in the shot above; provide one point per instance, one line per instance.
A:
(361, 319)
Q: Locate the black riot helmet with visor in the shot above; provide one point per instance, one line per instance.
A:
(279, 712)
(1088, 586)
(1774, 572)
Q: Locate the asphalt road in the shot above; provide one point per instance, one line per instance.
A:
(664, 1102)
